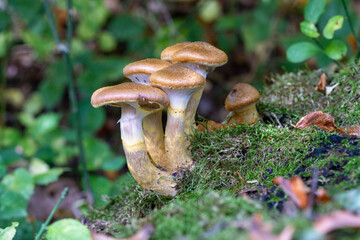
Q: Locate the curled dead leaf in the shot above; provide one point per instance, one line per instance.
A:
(318, 118)
(337, 220)
(321, 86)
(299, 193)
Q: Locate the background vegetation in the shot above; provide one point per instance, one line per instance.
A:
(39, 154)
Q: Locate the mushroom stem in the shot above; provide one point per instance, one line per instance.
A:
(175, 144)
(191, 111)
(139, 164)
(247, 114)
(155, 143)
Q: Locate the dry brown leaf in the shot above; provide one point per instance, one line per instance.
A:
(323, 120)
(295, 189)
(299, 193)
(321, 86)
(354, 130)
(211, 126)
(143, 234)
(258, 230)
(337, 220)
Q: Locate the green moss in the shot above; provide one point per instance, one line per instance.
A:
(292, 96)
(209, 204)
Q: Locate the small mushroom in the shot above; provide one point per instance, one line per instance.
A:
(241, 102)
(202, 58)
(136, 102)
(180, 83)
(140, 72)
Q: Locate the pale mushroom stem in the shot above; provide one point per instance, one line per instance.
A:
(175, 143)
(139, 164)
(155, 141)
(247, 114)
(191, 111)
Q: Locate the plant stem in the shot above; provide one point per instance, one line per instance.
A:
(64, 49)
(351, 27)
(44, 225)
(3, 67)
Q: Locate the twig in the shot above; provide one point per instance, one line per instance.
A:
(4, 63)
(277, 120)
(65, 49)
(44, 225)
(351, 27)
(314, 185)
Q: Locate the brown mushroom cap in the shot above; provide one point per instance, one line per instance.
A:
(201, 53)
(176, 76)
(241, 95)
(146, 66)
(169, 51)
(148, 97)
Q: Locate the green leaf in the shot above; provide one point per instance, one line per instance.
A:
(20, 181)
(334, 23)
(314, 9)
(127, 27)
(9, 232)
(96, 152)
(48, 177)
(301, 51)
(69, 229)
(9, 136)
(13, 205)
(101, 186)
(9, 156)
(45, 123)
(107, 42)
(114, 164)
(336, 50)
(309, 29)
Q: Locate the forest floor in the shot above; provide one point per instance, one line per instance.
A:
(266, 181)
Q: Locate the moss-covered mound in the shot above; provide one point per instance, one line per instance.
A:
(235, 168)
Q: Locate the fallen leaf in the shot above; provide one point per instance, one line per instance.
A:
(329, 89)
(143, 234)
(210, 126)
(299, 193)
(354, 130)
(321, 86)
(337, 220)
(258, 230)
(323, 120)
(295, 189)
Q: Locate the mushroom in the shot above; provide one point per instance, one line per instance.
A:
(169, 51)
(241, 102)
(180, 83)
(201, 57)
(136, 102)
(140, 72)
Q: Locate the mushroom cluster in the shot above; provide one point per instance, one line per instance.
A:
(174, 83)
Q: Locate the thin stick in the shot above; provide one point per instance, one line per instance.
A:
(351, 27)
(44, 225)
(64, 49)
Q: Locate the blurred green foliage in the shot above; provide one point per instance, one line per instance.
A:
(37, 142)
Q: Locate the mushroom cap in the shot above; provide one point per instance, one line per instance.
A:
(146, 66)
(149, 98)
(176, 76)
(241, 95)
(169, 51)
(201, 53)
